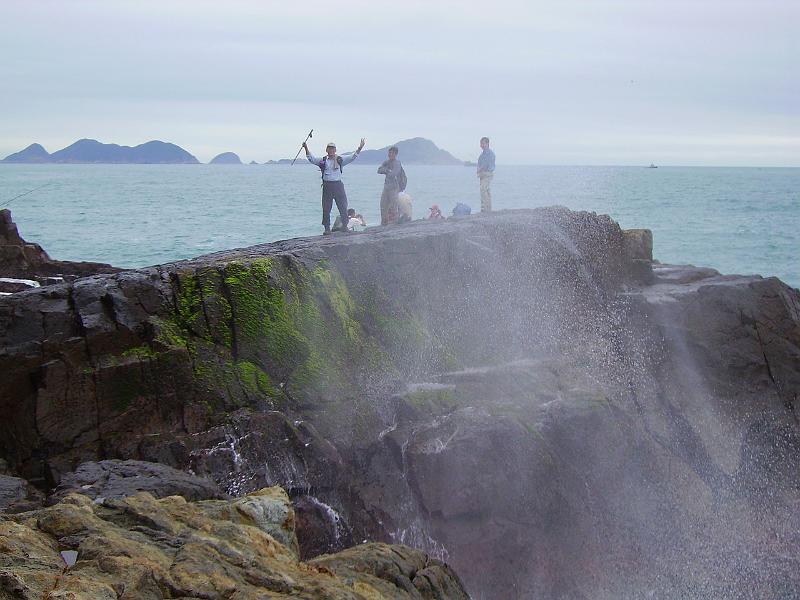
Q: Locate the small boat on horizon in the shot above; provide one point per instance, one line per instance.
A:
(652, 166)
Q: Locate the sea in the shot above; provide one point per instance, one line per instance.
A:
(736, 220)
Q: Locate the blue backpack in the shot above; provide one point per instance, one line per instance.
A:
(461, 210)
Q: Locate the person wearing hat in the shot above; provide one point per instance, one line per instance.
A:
(332, 184)
(436, 213)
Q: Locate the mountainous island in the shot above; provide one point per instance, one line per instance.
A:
(415, 151)
(226, 158)
(88, 151)
(547, 414)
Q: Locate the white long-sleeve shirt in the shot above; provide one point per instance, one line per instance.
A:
(332, 172)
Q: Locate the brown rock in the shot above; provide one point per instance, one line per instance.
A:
(143, 548)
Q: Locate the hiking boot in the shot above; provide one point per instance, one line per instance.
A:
(326, 232)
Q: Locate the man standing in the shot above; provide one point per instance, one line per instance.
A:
(332, 184)
(393, 184)
(485, 174)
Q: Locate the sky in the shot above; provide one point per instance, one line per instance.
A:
(598, 82)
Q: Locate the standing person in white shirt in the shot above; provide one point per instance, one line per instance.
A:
(332, 184)
(485, 174)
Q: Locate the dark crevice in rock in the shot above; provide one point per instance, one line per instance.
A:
(107, 302)
(764, 354)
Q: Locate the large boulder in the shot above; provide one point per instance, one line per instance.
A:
(525, 394)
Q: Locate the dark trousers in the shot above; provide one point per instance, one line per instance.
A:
(333, 190)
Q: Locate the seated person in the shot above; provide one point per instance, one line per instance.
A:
(403, 208)
(436, 213)
(354, 221)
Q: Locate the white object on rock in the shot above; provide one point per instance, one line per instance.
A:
(28, 282)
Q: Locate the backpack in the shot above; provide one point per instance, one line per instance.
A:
(402, 180)
(461, 210)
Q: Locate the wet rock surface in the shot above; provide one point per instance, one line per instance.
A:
(109, 479)
(524, 394)
(144, 548)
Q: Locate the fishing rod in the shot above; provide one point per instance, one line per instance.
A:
(303, 144)
(24, 194)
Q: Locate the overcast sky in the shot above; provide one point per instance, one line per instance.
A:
(700, 82)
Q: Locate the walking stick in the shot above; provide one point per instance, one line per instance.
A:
(301, 145)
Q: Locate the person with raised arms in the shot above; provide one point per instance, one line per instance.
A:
(332, 185)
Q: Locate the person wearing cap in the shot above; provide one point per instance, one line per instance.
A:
(436, 213)
(332, 184)
(485, 174)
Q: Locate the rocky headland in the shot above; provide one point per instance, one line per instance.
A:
(526, 396)
(24, 265)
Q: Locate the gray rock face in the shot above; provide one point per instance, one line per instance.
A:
(12, 490)
(524, 394)
(120, 478)
(17, 495)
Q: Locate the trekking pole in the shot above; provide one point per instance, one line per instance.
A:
(301, 145)
(24, 194)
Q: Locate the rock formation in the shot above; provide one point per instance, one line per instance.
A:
(142, 548)
(20, 259)
(524, 394)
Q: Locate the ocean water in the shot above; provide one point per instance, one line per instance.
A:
(736, 220)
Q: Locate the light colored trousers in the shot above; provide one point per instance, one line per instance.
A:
(389, 205)
(486, 192)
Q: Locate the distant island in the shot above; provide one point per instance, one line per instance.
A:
(416, 151)
(226, 158)
(91, 151)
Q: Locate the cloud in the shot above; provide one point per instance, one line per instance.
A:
(539, 77)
